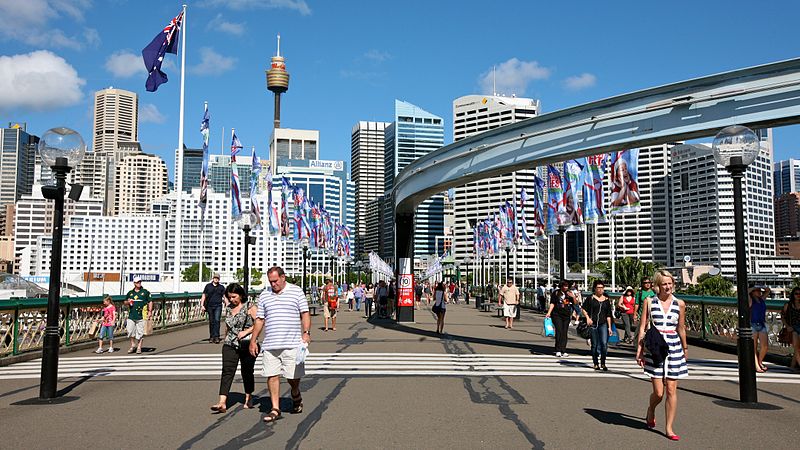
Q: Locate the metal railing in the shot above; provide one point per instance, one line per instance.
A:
(712, 319)
(22, 321)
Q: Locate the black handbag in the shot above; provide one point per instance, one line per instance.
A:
(583, 329)
(654, 342)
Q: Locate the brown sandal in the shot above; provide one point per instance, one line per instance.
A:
(273, 415)
(297, 404)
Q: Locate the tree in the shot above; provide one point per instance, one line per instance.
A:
(255, 276)
(576, 267)
(190, 273)
(796, 282)
(711, 286)
(629, 271)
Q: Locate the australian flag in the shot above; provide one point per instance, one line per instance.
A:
(165, 42)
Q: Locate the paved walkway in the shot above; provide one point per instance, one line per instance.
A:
(382, 385)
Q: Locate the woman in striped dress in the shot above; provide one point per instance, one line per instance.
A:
(667, 314)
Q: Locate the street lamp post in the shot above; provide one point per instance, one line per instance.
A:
(562, 267)
(246, 222)
(467, 260)
(61, 149)
(306, 255)
(735, 148)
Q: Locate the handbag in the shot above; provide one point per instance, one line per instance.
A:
(549, 330)
(654, 342)
(614, 338)
(148, 327)
(785, 336)
(93, 329)
(583, 329)
(436, 309)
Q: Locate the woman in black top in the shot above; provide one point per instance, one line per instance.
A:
(561, 305)
(237, 348)
(597, 310)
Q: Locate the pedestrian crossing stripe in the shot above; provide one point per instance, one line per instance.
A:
(388, 365)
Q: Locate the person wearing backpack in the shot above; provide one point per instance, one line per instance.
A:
(330, 301)
(667, 314)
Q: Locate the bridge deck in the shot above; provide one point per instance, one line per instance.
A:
(380, 384)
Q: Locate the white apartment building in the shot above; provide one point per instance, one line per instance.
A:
(644, 235)
(33, 219)
(702, 208)
(140, 180)
(473, 114)
(107, 244)
(288, 143)
(367, 168)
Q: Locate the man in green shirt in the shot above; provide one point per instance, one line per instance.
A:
(137, 299)
(645, 292)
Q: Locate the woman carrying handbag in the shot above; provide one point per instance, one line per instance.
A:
(790, 315)
(667, 315)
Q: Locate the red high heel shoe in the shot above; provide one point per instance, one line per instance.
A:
(650, 423)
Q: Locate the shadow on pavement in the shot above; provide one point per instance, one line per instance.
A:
(615, 418)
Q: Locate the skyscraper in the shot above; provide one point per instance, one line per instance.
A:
(192, 166)
(116, 119)
(786, 176)
(366, 159)
(17, 162)
(473, 114)
(702, 208)
(413, 133)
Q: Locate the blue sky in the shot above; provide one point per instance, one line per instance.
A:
(349, 60)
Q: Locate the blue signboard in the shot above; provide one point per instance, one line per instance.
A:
(146, 277)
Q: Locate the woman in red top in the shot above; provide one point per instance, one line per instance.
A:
(627, 306)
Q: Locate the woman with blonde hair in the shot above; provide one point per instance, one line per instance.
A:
(667, 315)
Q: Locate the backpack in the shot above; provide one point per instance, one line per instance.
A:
(333, 300)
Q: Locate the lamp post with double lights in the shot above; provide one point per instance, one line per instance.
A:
(245, 223)
(61, 149)
(735, 148)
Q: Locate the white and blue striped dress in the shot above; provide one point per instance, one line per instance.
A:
(674, 366)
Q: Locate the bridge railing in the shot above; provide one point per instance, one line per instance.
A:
(22, 321)
(712, 319)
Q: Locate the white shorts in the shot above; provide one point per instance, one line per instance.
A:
(282, 362)
(509, 310)
(135, 328)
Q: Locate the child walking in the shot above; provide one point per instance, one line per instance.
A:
(107, 330)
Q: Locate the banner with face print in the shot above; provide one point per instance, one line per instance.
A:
(625, 182)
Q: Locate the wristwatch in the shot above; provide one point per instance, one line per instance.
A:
(308, 332)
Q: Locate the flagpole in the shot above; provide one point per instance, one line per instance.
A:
(176, 270)
(586, 256)
(202, 241)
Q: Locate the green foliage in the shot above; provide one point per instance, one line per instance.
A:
(713, 286)
(255, 276)
(576, 267)
(796, 282)
(629, 271)
(190, 273)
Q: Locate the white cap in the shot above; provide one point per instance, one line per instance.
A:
(137, 279)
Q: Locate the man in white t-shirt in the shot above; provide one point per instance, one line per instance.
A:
(508, 298)
(283, 312)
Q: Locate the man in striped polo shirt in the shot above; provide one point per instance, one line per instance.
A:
(283, 312)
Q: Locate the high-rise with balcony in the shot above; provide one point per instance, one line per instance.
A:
(116, 119)
(474, 114)
(141, 179)
(413, 133)
(366, 159)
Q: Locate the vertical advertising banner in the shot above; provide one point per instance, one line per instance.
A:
(405, 284)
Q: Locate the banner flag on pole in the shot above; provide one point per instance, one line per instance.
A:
(236, 197)
(556, 213)
(204, 130)
(153, 55)
(538, 209)
(625, 182)
(523, 226)
(593, 207)
(511, 224)
(255, 189)
(274, 223)
(572, 185)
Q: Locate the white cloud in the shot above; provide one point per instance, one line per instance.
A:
(377, 55)
(220, 24)
(512, 77)
(297, 5)
(39, 80)
(578, 82)
(148, 112)
(34, 22)
(212, 63)
(125, 64)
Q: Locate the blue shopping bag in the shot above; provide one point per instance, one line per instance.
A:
(614, 338)
(549, 330)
